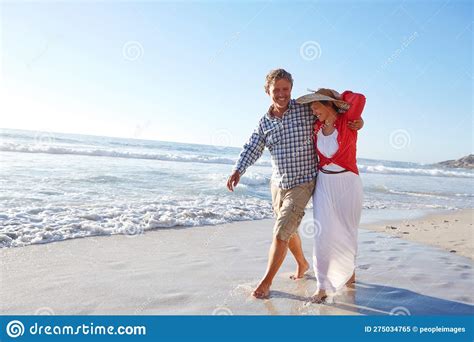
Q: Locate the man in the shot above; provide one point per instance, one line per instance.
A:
(286, 130)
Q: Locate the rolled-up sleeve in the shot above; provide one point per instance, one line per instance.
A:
(251, 151)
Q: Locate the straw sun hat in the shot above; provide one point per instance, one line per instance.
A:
(324, 95)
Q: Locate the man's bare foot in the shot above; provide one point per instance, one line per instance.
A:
(319, 297)
(262, 291)
(300, 271)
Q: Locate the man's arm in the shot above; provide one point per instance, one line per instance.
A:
(356, 124)
(251, 151)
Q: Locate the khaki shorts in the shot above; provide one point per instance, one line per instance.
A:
(289, 206)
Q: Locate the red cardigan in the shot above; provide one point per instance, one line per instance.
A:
(345, 156)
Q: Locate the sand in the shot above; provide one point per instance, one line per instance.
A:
(212, 270)
(451, 231)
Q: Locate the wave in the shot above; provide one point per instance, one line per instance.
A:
(249, 179)
(37, 225)
(12, 147)
(195, 158)
(435, 195)
(45, 224)
(414, 171)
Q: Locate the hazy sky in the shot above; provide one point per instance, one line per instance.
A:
(194, 71)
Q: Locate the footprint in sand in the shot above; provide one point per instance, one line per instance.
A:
(464, 267)
(364, 267)
(418, 277)
(231, 249)
(199, 263)
(117, 265)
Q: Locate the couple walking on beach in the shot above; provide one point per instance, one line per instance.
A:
(312, 142)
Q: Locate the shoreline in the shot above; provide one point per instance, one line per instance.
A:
(425, 227)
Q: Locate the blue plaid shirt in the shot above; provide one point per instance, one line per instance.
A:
(290, 142)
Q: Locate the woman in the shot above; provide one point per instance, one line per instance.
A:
(337, 200)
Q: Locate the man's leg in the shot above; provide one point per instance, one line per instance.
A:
(302, 264)
(276, 256)
(301, 198)
(289, 206)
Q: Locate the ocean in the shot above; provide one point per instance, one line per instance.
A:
(62, 186)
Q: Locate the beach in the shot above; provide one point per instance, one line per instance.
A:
(451, 231)
(101, 225)
(211, 270)
(125, 127)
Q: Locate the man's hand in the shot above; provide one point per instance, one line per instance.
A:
(356, 124)
(233, 180)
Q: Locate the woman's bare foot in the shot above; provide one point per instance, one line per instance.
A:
(319, 297)
(352, 280)
(262, 291)
(300, 271)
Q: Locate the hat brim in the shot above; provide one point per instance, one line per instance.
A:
(319, 97)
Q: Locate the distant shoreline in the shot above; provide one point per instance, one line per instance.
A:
(466, 162)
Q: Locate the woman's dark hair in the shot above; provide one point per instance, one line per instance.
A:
(328, 92)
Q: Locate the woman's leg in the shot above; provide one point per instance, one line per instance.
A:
(320, 261)
(352, 280)
(319, 296)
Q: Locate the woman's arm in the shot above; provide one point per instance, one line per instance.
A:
(357, 102)
(354, 113)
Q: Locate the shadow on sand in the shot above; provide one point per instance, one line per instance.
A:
(373, 299)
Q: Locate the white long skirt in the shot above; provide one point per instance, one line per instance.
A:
(337, 207)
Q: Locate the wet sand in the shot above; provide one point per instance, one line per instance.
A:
(212, 270)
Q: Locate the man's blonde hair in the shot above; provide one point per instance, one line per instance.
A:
(275, 75)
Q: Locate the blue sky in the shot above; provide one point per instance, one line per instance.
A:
(194, 71)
